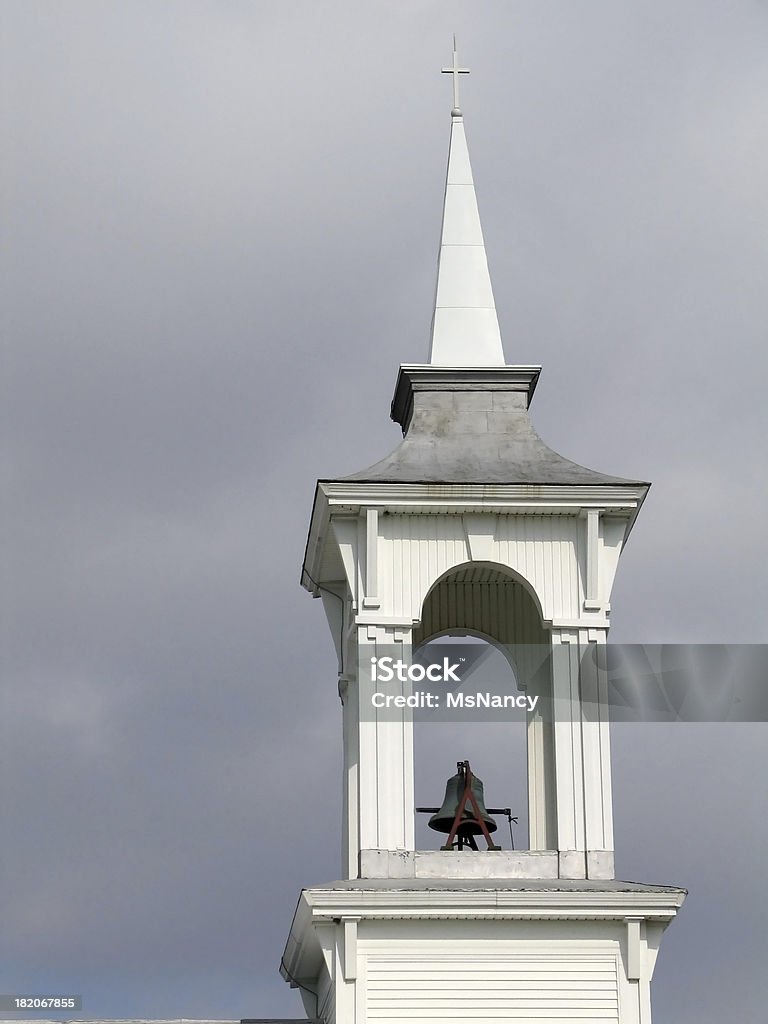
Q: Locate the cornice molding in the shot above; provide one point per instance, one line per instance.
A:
(322, 907)
(513, 497)
(490, 904)
(424, 377)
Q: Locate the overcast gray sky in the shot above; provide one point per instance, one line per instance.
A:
(221, 223)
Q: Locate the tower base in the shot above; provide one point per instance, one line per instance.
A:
(401, 951)
(541, 865)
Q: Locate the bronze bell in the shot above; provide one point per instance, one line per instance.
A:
(469, 823)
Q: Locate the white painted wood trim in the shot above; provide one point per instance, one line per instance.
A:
(350, 947)
(634, 949)
(591, 588)
(371, 599)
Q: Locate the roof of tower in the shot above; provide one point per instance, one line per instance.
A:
(471, 425)
(465, 414)
(468, 439)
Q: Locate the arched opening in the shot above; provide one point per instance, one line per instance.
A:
(494, 745)
(485, 598)
(486, 619)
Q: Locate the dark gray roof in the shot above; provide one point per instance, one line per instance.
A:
(452, 440)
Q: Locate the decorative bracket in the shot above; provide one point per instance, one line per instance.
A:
(592, 582)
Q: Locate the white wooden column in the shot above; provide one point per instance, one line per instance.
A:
(569, 789)
(581, 744)
(351, 771)
(385, 745)
(596, 746)
(533, 673)
(345, 970)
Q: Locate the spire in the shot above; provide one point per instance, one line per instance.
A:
(465, 328)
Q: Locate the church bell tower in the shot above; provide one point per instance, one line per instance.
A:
(474, 526)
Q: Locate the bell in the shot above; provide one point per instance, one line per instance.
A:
(443, 820)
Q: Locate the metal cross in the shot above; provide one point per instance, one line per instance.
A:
(455, 70)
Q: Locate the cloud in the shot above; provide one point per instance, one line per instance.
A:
(222, 224)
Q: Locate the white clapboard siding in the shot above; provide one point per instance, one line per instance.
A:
(519, 988)
(415, 550)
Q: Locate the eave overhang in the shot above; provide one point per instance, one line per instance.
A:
(327, 906)
(350, 498)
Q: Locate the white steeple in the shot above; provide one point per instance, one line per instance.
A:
(473, 527)
(465, 328)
